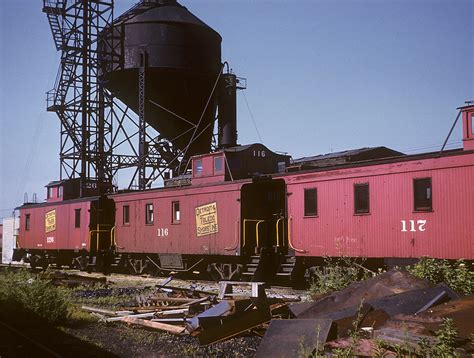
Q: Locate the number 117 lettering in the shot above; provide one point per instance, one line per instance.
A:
(421, 225)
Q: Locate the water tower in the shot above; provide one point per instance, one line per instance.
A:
(151, 79)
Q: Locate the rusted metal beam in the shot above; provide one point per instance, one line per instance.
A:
(229, 326)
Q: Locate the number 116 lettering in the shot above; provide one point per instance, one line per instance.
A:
(421, 225)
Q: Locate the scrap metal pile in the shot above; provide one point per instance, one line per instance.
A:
(208, 316)
(394, 307)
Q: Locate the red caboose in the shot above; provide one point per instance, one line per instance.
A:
(64, 230)
(197, 223)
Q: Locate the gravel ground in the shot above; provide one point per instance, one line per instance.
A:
(118, 280)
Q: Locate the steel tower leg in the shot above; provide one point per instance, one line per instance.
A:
(141, 128)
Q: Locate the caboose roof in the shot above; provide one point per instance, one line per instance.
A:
(348, 156)
(54, 183)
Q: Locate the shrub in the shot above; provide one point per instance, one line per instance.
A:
(456, 275)
(336, 275)
(22, 295)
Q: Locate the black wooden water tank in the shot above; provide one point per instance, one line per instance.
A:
(182, 57)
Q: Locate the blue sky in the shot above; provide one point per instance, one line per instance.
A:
(322, 76)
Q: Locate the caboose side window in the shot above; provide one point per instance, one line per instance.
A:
(149, 214)
(198, 167)
(77, 218)
(361, 198)
(176, 212)
(126, 214)
(472, 123)
(60, 192)
(311, 202)
(422, 194)
(49, 193)
(27, 222)
(218, 165)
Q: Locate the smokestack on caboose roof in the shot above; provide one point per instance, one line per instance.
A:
(468, 125)
(227, 118)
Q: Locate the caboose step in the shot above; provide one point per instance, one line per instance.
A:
(252, 266)
(286, 267)
(247, 273)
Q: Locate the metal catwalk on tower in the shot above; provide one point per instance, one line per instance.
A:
(78, 97)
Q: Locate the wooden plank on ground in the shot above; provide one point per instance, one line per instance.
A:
(140, 315)
(155, 325)
(101, 311)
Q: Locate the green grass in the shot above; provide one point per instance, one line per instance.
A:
(24, 295)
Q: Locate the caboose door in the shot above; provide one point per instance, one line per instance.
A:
(263, 217)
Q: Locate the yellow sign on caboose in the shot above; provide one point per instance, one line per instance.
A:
(206, 219)
(50, 221)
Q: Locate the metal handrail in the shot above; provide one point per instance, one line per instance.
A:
(256, 232)
(290, 220)
(250, 220)
(112, 236)
(98, 231)
(278, 235)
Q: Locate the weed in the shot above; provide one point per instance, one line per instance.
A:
(398, 351)
(379, 350)
(79, 317)
(456, 275)
(345, 352)
(355, 336)
(446, 339)
(445, 345)
(425, 348)
(337, 274)
(311, 352)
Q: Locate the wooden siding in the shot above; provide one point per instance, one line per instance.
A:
(338, 231)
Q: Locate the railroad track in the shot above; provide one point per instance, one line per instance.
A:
(74, 277)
